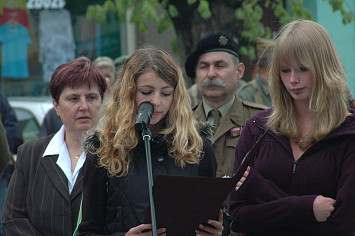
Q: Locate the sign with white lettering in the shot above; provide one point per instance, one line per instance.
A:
(45, 4)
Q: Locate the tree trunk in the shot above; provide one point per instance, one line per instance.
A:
(190, 27)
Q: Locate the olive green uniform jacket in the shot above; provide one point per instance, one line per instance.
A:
(228, 132)
(256, 91)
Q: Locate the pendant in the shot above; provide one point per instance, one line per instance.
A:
(300, 142)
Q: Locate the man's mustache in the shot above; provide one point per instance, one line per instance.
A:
(213, 82)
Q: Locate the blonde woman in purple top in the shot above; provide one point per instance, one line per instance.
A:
(303, 177)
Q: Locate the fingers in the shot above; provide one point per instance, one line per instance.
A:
(220, 216)
(214, 228)
(148, 232)
(161, 232)
(246, 173)
(241, 181)
(145, 230)
(138, 229)
(323, 208)
(331, 201)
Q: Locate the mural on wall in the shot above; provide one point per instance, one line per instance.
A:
(14, 39)
(56, 40)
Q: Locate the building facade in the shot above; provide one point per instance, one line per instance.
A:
(342, 35)
(38, 35)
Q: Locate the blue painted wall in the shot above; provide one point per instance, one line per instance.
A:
(342, 35)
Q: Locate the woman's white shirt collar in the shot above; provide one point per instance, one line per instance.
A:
(57, 146)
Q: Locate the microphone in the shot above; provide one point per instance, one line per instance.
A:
(144, 114)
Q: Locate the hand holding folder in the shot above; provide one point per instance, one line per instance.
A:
(184, 202)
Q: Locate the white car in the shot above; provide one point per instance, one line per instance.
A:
(30, 112)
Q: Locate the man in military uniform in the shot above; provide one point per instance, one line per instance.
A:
(215, 66)
(257, 90)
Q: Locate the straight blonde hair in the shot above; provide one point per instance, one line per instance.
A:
(307, 43)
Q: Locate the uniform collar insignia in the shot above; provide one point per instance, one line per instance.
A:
(223, 41)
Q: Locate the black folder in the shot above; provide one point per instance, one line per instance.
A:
(184, 202)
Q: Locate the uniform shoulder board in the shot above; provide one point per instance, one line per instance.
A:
(255, 105)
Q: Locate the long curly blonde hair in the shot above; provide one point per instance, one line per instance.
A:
(118, 136)
(308, 43)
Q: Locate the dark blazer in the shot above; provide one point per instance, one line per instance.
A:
(9, 121)
(4, 147)
(38, 200)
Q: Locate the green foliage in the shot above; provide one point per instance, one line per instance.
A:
(90, 12)
(190, 2)
(173, 12)
(109, 6)
(174, 46)
(249, 16)
(251, 13)
(165, 23)
(297, 10)
(338, 5)
(204, 9)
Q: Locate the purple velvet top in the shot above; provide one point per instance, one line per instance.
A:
(277, 196)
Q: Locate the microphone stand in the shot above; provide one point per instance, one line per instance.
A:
(146, 134)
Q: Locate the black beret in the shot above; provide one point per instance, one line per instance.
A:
(213, 42)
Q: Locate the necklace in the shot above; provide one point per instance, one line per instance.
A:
(300, 142)
(76, 156)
